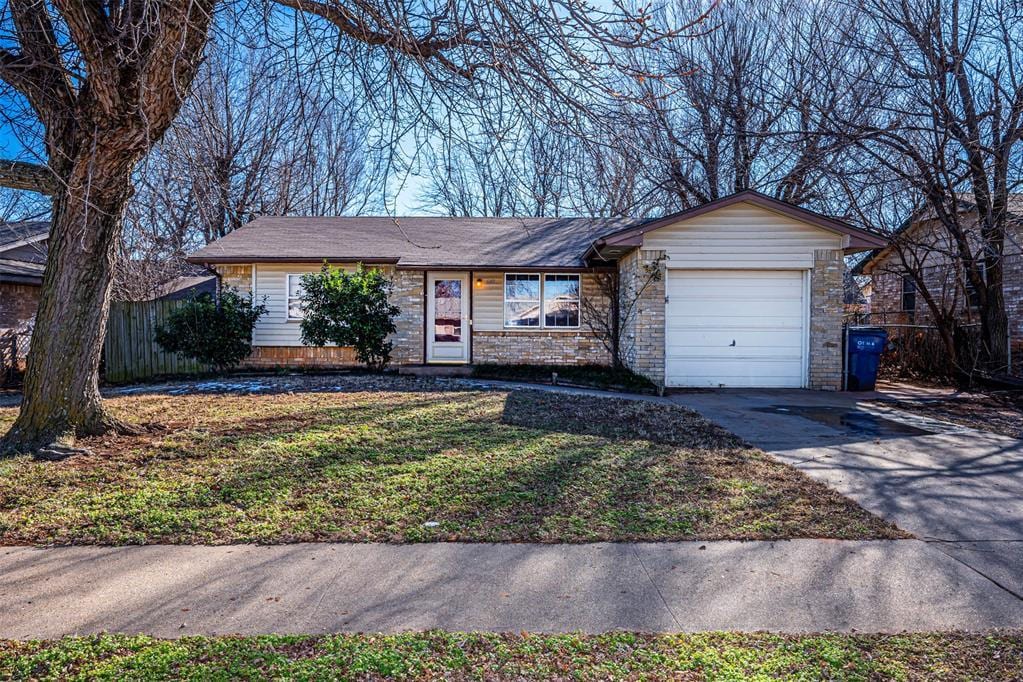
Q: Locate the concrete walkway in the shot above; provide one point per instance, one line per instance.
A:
(794, 586)
(960, 488)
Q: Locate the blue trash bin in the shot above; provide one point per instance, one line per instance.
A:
(864, 346)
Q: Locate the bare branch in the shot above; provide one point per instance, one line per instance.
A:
(27, 176)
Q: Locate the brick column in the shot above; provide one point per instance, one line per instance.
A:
(407, 294)
(643, 335)
(238, 277)
(826, 295)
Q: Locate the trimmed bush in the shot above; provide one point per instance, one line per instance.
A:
(216, 333)
(349, 309)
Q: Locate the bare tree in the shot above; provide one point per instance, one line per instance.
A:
(249, 141)
(106, 80)
(939, 96)
(742, 115)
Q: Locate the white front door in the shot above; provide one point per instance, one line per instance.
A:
(447, 317)
(736, 328)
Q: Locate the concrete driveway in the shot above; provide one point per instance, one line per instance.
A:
(957, 488)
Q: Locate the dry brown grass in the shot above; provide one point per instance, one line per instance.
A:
(377, 464)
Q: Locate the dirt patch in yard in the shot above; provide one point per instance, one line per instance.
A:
(996, 413)
(414, 461)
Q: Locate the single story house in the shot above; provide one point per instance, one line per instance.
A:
(749, 293)
(22, 260)
(929, 248)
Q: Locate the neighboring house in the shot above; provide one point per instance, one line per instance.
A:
(751, 292)
(185, 286)
(22, 259)
(894, 297)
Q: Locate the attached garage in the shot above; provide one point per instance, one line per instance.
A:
(751, 294)
(736, 328)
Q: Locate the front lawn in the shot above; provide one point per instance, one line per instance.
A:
(397, 461)
(438, 655)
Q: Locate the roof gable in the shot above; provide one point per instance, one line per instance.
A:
(855, 238)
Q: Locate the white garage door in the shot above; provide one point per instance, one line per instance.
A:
(742, 328)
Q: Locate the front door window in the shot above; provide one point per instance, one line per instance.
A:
(447, 310)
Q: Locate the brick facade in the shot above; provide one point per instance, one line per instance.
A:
(945, 283)
(407, 294)
(238, 277)
(18, 303)
(539, 347)
(643, 333)
(826, 309)
(329, 357)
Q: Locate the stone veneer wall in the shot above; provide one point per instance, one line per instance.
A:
(18, 303)
(826, 308)
(643, 335)
(577, 347)
(407, 294)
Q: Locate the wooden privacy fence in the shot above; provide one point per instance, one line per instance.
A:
(130, 352)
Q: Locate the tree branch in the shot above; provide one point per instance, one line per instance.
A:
(27, 176)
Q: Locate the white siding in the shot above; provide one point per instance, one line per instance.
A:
(736, 328)
(741, 236)
(274, 328)
(488, 302)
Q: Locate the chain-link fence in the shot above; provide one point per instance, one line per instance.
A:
(13, 351)
(917, 351)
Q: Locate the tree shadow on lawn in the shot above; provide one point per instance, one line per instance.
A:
(487, 466)
(616, 418)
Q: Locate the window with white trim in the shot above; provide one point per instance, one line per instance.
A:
(296, 309)
(534, 301)
(521, 300)
(561, 301)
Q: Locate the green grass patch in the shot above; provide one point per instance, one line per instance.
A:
(414, 465)
(595, 376)
(481, 656)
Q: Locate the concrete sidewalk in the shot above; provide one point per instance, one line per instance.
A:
(793, 586)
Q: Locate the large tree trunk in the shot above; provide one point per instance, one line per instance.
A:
(61, 393)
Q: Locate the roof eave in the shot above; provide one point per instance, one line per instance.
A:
(200, 259)
(8, 246)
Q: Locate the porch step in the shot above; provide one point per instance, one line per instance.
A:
(436, 370)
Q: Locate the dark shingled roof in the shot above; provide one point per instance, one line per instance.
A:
(15, 233)
(425, 241)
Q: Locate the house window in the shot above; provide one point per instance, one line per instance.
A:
(908, 294)
(548, 301)
(521, 300)
(561, 301)
(295, 306)
(972, 294)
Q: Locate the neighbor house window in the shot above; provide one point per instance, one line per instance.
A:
(908, 294)
(972, 294)
(561, 300)
(296, 309)
(521, 300)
